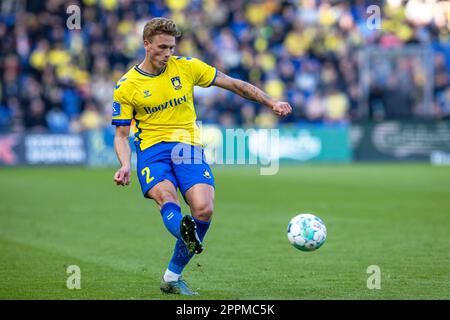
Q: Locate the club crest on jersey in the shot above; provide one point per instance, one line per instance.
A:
(176, 82)
(147, 93)
(206, 174)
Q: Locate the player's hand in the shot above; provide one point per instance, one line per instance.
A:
(282, 108)
(122, 176)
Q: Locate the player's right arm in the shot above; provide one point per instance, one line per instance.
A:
(121, 118)
(249, 91)
(205, 76)
(123, 152)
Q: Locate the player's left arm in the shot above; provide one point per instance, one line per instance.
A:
(249, 91)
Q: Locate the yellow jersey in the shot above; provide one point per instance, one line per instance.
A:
(162, 104)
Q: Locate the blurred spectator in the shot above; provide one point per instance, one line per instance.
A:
(315, 108)
(227, 120)
(248, 113)
(442, 110)
(336, 106)
(266, 119)
(397, 99)
(57, 120)
(441, 77)
(91, 118)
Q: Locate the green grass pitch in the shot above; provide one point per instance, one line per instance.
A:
(394, 216)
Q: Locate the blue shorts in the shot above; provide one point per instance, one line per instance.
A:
(182, 164)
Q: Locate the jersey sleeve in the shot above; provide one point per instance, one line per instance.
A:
(204, 74)
(122, 112)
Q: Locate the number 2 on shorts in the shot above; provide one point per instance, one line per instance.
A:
(146, 172)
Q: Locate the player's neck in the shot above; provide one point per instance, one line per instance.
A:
(148, 67)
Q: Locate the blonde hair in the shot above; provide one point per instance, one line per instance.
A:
(160, 26)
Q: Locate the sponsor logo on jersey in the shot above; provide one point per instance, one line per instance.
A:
(163, 106)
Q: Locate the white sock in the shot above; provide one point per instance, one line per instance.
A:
(170, 276)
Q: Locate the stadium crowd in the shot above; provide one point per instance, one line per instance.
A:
(302, 51)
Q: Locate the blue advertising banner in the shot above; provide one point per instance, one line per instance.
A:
(42, 149)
